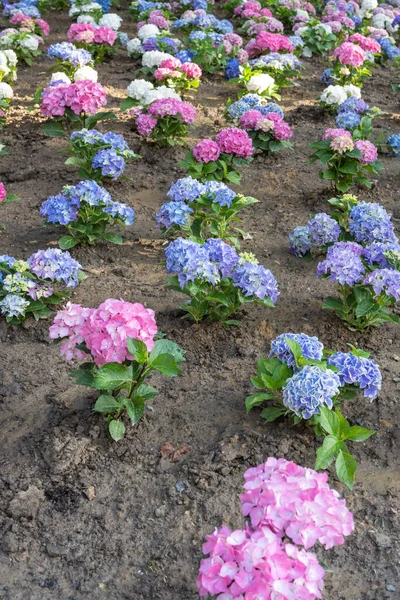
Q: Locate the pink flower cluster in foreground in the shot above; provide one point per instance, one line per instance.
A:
(104, 330)
(342, 142)
(270, 123)
(283, 500)
(88, 34)
(81, 96)
(231, 140)
(271, 42)
(164, 107)
(350, 54)
(367, 44)
(172, 67)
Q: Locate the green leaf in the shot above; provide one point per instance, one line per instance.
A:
(327, 452)
(350, 168)
(295, 348)
(111, 376)
(135, 409)
(113, 238)
(332, 303)
(329, 420)
(256, 400)
(271, 413)
(74, 160)
(83, 375)
(138, 349)
(364, 306)
(359, 434)
(346, 466)
(168, 347)
(52, 129)
(66, 242)
(165, 364)
(219, 297)
(127, 103)
(117, 430)
(147, 392)
(106, 404)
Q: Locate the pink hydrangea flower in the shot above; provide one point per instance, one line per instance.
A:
(295, 502)
(172, 106)
(104, 330)
(85, 96)
(159, 20)
(235, 141)
(368, 150)
(81, 32)
(334, 133)
(367, 44)
(234, 39)
(145, 124)
(257, 565)
(242, 56)
(350, 54)
(206, 151)
(250, 119)
(105, 35)
(22, 20)
(192, 70)
(3, 192)
(161, 73)
(54, 100)
(171, 63)
(43, 26)
(273, 42)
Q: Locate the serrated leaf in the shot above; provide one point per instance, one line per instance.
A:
(329, 420)
(52, 129)
(295, 348)
(165, 364)
(83, 375)
(106, 404)
(116, 429)
(168, 347)
(332, 303)
(114, 238)
(66, 242)
(327, 452)
(138, 349)
(271, 413)
(359, 434)
(111, 376)
(256, 399)
(135, 409)
(346, 466)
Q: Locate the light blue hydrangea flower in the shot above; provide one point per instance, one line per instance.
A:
(309, 389)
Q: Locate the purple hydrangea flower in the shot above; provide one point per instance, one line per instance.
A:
(110, 163)
(224, 255)
(375, 253)
(58, 209)
(386, 281)
(343, 263)
(186, 189)
(173, 213)
(120, 211)
(323, 230)
(309, 389)
(311, 348)
(357, 370)
(56, 265)
(369, 222)
(255, 280)
(300, 241)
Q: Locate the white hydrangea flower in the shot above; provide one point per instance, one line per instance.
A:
(3, 59)
(302, 13)
(138, 88)
(133, 46)
(11, 57)
(260, 83)
(159, 93)
(154, 58)
(6, 91)
(60, 76)
(111, 20)
(352, 90)
(307, 52)
(5, 41)
(86, 19)
(86, 73)
(301, 31)
(326, 28)
(148, 31)
(369, 4)
(334, 94)
(30, 42)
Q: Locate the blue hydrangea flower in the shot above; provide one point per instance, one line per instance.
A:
(56, 265)
(271, 107)
(311, 348)
(9, 260)
(352, 104)
(120, 211)
(88, 191)
(232, 68)
(88, 136)
(238, 108)
(58, 209)
(300, 241)
(168, 44)
(223, 254)
(221, 193)
(186, 189)
(149, 45)
(13, 306)
(68, 52)
(343, 263)
(385, 281)
(369, 222)
(255, 280)
(348, 120)
(357, 370)
(391, 51)
(323, 230)
(197, 35)
(223, 26)
(189, 261)
(309, 389)
(296, 40)
(394, 142)
(111, 164)
(205, 21)
(173, 213)
(252, 100)
(185, 56)
(327, 77)
(116, 141)
(375, 253)
(285, 61)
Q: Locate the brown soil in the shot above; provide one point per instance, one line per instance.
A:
(84, 517)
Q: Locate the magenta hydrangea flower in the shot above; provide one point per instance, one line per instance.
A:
(250, 119)
(206, 151)
(81, 32)
(105, 35)
(367, 44)
(235, 141)
(85, 96)
(368, 150)
(334, 133)
(191, 70)
(172, 106)
(145, 124)
(350, 54)
(3, 192)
